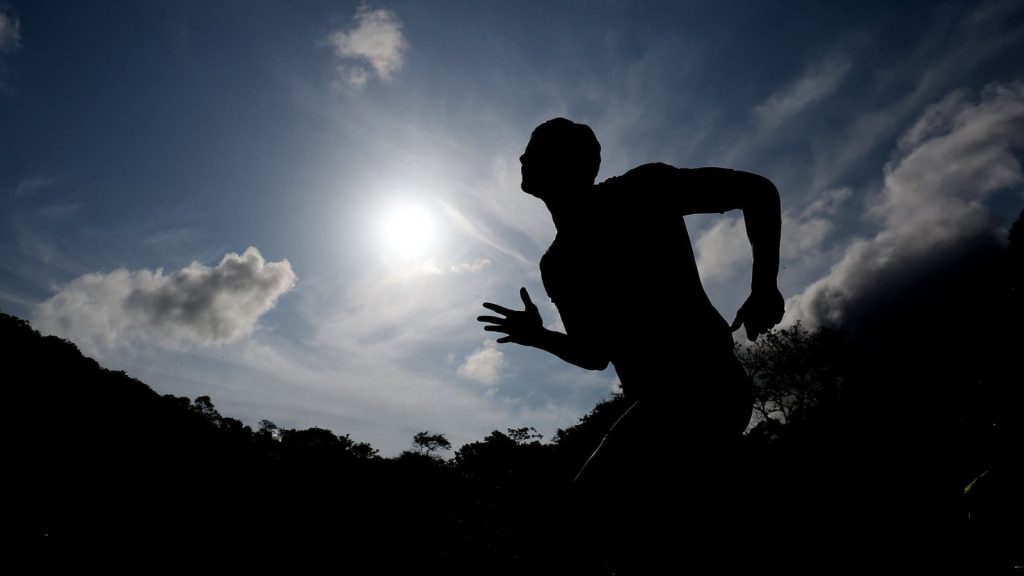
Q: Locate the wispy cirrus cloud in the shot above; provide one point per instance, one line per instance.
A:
(819, 81)
(375, 46)
(33, 184)
(944, 58)
(10, 42)
(10, 32)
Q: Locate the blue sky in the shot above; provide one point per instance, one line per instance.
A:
(297, 208)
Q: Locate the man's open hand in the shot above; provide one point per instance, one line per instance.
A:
(520, 326)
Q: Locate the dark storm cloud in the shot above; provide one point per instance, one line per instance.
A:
(932, 212)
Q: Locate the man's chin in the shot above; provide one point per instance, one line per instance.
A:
(532, 192)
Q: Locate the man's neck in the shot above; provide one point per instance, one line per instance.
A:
(568, 207)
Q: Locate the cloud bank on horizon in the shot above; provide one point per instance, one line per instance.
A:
(960, 152)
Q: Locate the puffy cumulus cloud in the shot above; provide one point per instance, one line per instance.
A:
(10, 32)
(375, 45)
(198, 305)
(484, 364)
(931, 210)
(957, 154)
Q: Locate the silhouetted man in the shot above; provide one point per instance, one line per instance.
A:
(622, 274)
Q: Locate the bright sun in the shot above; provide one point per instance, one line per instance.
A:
(409, 230)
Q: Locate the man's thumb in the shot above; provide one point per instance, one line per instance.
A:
(526, 298)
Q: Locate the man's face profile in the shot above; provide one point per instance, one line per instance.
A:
(545, 168)
(535, 168)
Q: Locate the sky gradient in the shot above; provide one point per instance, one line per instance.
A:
(297, 209)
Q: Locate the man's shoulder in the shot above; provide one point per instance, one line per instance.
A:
(648, 181)
(650, 174)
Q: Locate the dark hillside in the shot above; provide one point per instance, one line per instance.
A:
(896, 442)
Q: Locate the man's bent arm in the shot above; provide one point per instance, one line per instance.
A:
(762, 215)
(709, 190)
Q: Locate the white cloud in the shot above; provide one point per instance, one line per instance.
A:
(801, 236)
(722, 249)
(947, 164)
(59, 210)
(32, 185)
(947, 56)
(391, 314)
(172, 237)
(788, 111)
(484, 364)
(355, 76)
(469, 267)
(198, 305)
(804, 234)
(10, 32)
(479, 231)
(829, 203)
(375, 45)
(817, 83)
(957, 154)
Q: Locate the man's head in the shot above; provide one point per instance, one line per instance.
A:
(561, 154)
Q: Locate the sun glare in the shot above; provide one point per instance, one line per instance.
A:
(409, 231)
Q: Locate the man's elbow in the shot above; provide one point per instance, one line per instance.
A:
(762, 193)
(762, 185)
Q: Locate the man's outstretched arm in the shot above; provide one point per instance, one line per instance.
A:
(527, 328)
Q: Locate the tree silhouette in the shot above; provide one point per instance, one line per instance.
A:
(429, 444)
(795, 371)
(524, 435)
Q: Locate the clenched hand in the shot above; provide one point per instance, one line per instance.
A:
(760, 313)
